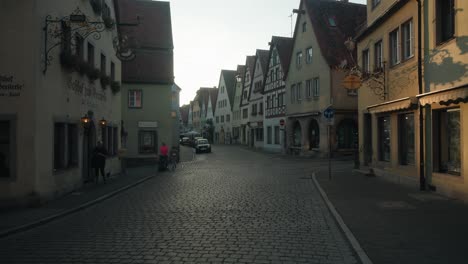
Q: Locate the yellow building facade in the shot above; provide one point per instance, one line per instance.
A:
(387, 104)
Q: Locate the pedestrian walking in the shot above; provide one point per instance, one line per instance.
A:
(98, 161)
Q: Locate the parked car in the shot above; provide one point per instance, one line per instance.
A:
(194, 141)
(202, 145)
(185, 141)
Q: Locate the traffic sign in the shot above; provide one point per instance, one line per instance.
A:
(281, 122)
(329, 113)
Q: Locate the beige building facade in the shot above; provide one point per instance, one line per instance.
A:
(388, 108)
(314, 80)
(49, 80)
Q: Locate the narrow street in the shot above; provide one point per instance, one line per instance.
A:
(231, 206)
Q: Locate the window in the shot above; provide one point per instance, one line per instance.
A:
(445, 20)
(407, 39)
(365, 61)
(384, 138)
(245, 94)
(394, 47)
(299, 59)
(245, 113)
(217, 119)
(6, 148)
(316, 87)
(103, 64)
(90, 54)
(274, 102)
(309, 56)
(259, 132)
(228, 118)
(268, 102)
(222, 119)
(65, 146)
(277, 135)
(134, 99)
(293, 93)
(378, 49)
(274, 57)
(406, 139)
(147, 141)
(304, 27)
(112, 71)
(260, 106)
(299, 91)
(309, 88)
(277, 76)
(272, 78)
(375, 3)
(281, 99)
(447, 143)
(269, 135)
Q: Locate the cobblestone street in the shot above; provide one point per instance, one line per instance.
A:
(231, 206)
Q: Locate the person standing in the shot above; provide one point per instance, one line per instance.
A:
(99, 161)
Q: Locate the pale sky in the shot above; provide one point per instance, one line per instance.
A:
(210, 35)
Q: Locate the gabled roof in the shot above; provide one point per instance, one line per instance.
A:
(250, 63)
(348, 17)
(284, 47)
(230, 81)
(262, 57)
(151, 41)
(241, 71)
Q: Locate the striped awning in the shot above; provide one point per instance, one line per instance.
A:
(395, 105)
(445, 97)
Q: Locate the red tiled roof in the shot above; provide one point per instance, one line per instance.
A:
(151, 41)
(348, 18)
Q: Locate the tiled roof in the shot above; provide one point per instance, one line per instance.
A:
(151, 41)
(230, 81)
(284, 47)
(262, 56)
(348, 17)
(250, 62)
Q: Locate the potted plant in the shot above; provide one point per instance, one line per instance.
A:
(105, 80)
(93, 73)
(115, 87)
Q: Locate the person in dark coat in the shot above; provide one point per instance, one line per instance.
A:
(99, 161)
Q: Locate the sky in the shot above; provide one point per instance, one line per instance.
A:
(211, 35)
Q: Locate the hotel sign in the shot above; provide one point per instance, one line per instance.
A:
(8, 86)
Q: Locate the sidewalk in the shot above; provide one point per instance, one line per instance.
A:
(398, 224)
(18, 220)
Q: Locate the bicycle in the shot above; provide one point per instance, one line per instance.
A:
(173, 163)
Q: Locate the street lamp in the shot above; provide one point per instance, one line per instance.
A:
(103, 122)
(85, 120)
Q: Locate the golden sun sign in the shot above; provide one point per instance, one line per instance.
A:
(352, 82)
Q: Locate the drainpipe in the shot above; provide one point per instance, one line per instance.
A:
(422, 178)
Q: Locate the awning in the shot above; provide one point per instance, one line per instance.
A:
(445, 97)
(304, 114)
(395, 105)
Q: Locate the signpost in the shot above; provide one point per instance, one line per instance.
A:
(329, 114)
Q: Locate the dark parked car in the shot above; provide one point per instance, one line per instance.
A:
(202, 145)
(185, 141)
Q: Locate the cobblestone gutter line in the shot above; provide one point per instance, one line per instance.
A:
(51, 218)
(349, 235)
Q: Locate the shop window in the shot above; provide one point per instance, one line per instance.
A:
(406, 139)
(6, 144)
(447, 143)
(384, 131)
(147, 142)
(269, 136)
(445, 20)
(277, 135)
(347, 134)
(65, 146)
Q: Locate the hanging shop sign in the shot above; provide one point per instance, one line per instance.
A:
(352, 82)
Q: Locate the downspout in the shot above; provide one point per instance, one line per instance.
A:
(422, 178)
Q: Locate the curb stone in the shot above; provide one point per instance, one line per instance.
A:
(347, 232)
(51, 218)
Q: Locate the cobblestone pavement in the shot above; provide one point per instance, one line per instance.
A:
(230, 206)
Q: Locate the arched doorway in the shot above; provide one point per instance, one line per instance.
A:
(89, 143)
(314, 134)
(297, 135)
(346, 134)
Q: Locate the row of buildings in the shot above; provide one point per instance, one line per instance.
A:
(395, 73)
(73, 73)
